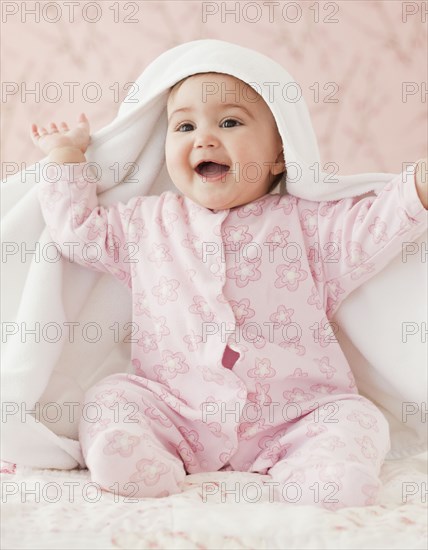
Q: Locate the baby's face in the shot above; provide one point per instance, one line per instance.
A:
(242, 136)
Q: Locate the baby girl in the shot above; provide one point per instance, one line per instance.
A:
(235, 365)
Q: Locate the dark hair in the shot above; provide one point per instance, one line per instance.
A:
(277, 179)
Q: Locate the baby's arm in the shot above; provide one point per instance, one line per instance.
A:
(357, 238)
(84, 231)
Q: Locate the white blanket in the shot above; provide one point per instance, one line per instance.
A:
(45, 509)
(48, 370)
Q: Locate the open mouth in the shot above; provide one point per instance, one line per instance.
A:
(212, 170)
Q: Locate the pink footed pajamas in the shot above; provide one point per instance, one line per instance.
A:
(235, 363)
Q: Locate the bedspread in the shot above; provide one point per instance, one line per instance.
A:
(57, 509)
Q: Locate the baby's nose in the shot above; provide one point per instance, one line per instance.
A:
(205, 138)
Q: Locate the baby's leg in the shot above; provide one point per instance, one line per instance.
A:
(130, 448)
(334, 456)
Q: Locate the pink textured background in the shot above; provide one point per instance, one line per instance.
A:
(368, 53)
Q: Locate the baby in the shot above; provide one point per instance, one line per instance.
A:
(235, 365)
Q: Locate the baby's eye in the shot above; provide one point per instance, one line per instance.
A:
(182, 125)
(231, 120)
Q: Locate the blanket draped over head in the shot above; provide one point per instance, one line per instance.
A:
(58, 317)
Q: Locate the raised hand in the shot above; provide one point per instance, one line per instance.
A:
(50, 139)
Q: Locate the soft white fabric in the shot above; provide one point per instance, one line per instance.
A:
(45, 509)
(388, 370)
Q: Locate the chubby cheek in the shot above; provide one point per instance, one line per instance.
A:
(177, 169)
(175, 156)
(171, 159)
(250, 161)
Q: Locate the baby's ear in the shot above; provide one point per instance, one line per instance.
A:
(279, 165)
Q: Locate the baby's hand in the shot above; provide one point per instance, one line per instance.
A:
(47, 140)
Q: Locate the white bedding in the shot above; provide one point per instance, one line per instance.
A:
(99, 520)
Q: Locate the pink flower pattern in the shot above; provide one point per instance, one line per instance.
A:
(165, 290)
(290, 275)
(173, 364)
(201, 307)
(262, 369)
(242, 311)
(149, 471)
(120, 442)
(244, 272)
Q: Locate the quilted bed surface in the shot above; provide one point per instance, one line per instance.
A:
(53, 509)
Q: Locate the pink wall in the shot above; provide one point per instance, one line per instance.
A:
(368, 50)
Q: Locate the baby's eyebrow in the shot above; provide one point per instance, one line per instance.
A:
(225, 105)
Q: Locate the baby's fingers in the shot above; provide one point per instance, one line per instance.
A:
(83, 121)
(36, 134)
(53, 129)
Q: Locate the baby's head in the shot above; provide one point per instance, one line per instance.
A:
(217, 117)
